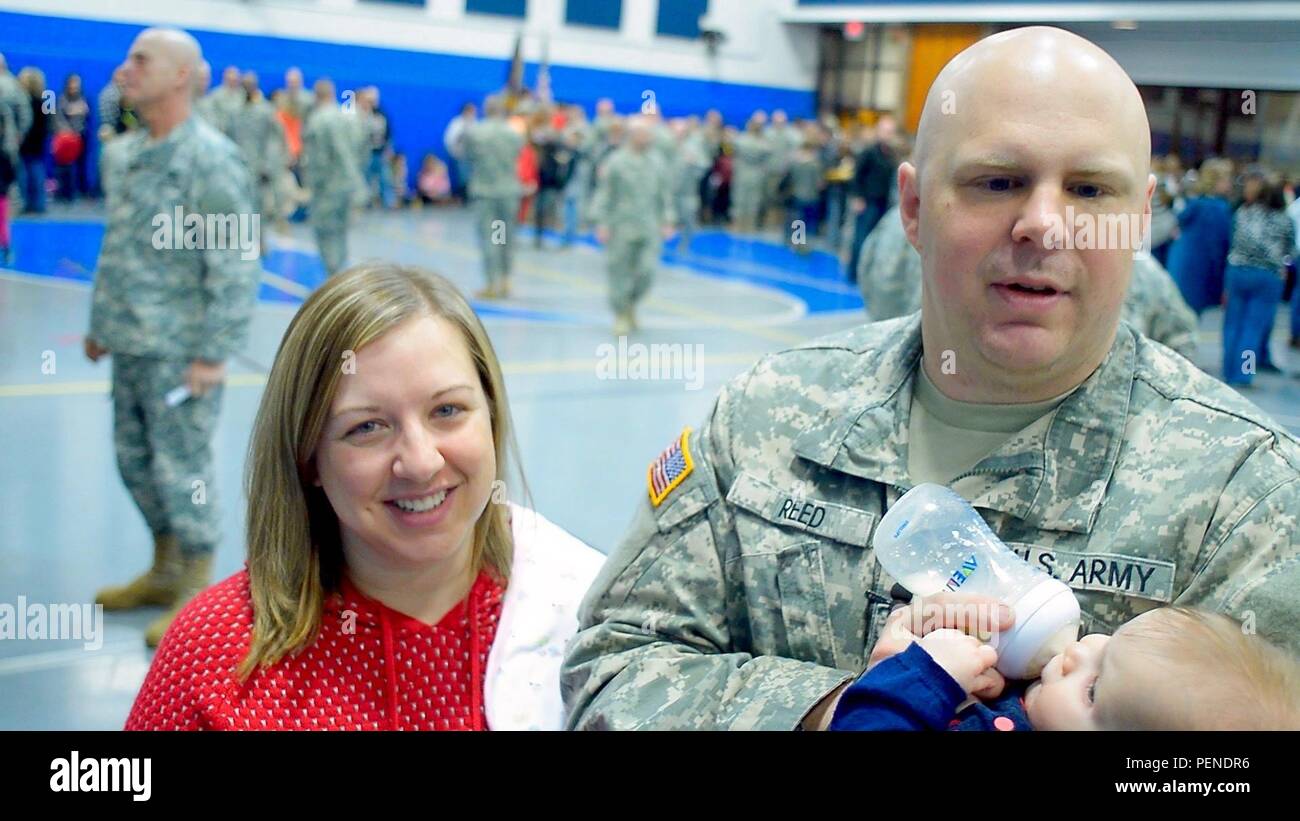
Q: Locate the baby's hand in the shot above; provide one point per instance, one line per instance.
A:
(965, 658)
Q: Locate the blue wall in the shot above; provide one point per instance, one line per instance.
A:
(420, 91)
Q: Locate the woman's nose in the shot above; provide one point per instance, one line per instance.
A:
(419, 457)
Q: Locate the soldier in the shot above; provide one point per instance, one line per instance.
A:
(783, 141)
(746, 594)
(748, 175)
(301, 102)
(889, 270)
(260, 138)
(331, 160)
(493, 148)
(1156, 307)
(222, 106)
(691, 162)
(170, 316)
(633, 212)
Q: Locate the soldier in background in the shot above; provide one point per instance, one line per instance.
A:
(748, 176)
(633, 213)
(170, 317)
(260, 138)
(223, 105)
(691, 162)
(331, 166)
(492, 147)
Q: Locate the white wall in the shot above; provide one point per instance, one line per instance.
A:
(759, 50)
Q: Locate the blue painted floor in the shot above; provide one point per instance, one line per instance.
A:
(68, 527)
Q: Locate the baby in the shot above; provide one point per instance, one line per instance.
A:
(1172, 668)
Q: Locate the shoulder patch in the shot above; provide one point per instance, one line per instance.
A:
(670, 469)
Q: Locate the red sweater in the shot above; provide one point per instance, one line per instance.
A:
(371, 668)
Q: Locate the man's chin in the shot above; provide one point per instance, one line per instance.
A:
(1022, 348)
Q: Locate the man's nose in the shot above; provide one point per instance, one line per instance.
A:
(1042, 219)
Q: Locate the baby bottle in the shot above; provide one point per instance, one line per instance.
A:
(932, 541)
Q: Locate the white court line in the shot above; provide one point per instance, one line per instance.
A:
(33, 662)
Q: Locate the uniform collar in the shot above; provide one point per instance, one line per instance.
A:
(1052, 475)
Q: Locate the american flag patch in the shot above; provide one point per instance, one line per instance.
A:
(672, 466)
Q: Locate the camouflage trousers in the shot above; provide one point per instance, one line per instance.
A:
(688, 209)
(329, 222)
(165, 454)
(495, 219)
(746, 199)
(631, 260)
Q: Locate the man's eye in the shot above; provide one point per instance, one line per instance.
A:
(998, 184)
(1089, 191)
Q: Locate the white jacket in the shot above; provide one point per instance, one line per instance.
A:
(549, 575)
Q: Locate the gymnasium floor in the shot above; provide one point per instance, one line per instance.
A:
(68, 527)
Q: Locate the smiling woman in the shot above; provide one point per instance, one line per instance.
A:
(389, 583)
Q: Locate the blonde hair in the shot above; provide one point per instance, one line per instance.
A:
(1211, 675)
(295, 557)
(1211, 174)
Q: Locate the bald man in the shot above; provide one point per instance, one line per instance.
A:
(746, 594)
(172, 303)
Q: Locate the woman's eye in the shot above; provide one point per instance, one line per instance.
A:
(446, 411)
(369, 426)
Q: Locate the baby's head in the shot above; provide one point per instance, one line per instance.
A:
(1172, 668)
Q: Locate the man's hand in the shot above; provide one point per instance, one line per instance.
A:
(94, 351)
(968, 660)
(857, 205)
(978, 616)
(202, 376)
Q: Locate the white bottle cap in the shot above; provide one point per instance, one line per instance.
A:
(1047, 619)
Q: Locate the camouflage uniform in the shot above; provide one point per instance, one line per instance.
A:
(1156, 307)
(260, 138)
(690, 163)
(749, 171)
(221, 108)
(633, 201)
(158, 309)
(889, 270)
(750, 592)
(331, 167)
(782, 142)
(493, 149)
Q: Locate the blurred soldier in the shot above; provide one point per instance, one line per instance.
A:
(14, 98)
(889, 270)
(691, 162)
(171, 314)
(260, 138)
(225, 102)
(331, 160)
(1156, 307)
(492, 147)
(633, 212)
(748, 175)
(300, 101)
(783, 140)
